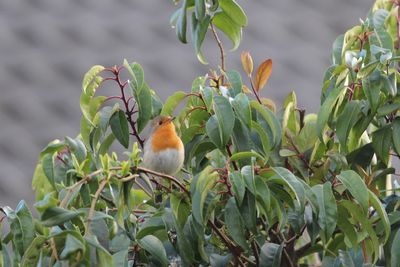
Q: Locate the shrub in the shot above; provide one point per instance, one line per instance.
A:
(260, 186)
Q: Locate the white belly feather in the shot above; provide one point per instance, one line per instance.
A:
(168, 161)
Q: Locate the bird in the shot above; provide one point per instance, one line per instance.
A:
(163, 150)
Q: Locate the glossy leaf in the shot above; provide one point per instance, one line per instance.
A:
(394, 250)
(205, 181)
(199, 30)
(181, 22)
(225, 118)
(272, 121)
(326, 109)
(144, 101)
(396, 135)
(262, 74)
(327, 210)
(292, 182)
(234, 223)
(235, 82)
(270, 255)
(200, 9)
(137, 75)
(381, 142)
(120, 128)
(376, 203)
(172, 102)
(232, 30)
(88, 78)
(241, 105)
(56, 216)
(154, 246)
(234, 11)
(356, 186)
(346, 121)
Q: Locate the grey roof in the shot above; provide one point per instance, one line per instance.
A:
(46, 46)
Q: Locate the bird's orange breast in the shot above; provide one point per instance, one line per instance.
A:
(165, 137)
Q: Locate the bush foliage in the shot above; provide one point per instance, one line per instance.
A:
(261, 186)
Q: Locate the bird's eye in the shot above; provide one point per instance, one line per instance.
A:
(160, 122)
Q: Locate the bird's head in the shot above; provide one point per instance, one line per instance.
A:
(162, 122)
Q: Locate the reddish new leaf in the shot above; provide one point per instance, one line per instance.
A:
(263, 74)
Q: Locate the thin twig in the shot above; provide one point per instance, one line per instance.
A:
(93, 205)
(162, 175)
(221, 48)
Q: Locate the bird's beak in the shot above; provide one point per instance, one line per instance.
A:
(171, 119)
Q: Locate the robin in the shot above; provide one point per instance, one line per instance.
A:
(163, 150)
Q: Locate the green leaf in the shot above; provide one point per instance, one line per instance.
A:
(120, 128)
(337, 48)
(346, 121)
(144, 100)
(200, 190)
(21, 226)
(345, 258)
(367, 70)
(246, 154)
(234, 11)
(366, 225)
(327, 210)
(234, 223)
(77, 147)
(292, 182)
(271, 120)
(208, 96)
(396, 135)
(200, 9)
(263, 194)
(105, 145)
(33, 252)
(154, 246)
(394, 250)
(48, 167)
(372, 89)
(390, 84)
(379, 18)
(241, 105)
(235, 83)
(137, 74)
(172, 102)
(356, 186)
(87, 103)
(270, 255)
(199, 30)
(212, 129)
(238, 185)
(89, 77)
(224, 119)
(72, 245)
(381, 38)
(387, 109)
(55, 216)
(347, 227)
(232, 30)
(381, 142)
(151, 225)
(263, 137)
(181, 22)
(376, 203)
(47, 202)
(326, 110)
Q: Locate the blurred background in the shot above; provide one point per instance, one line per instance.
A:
(46, 46)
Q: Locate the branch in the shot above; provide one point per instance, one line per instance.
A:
(162, 175)
(128, 112)
(93, 205)
(221, 48)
